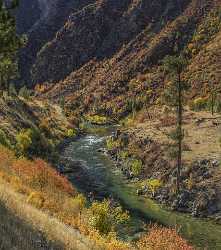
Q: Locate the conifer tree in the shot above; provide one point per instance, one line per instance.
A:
(174, 97)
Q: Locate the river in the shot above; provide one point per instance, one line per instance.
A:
(99, 174)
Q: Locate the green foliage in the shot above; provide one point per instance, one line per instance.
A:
(4, 140)
(152, 184)
(10, 42)
(174, 65)
(25, 92)
(24, 141)
(30, 142)
(71, 133)
(112, 144)
(124, 155)
(136, 167)
(105, 218)
(97, 119)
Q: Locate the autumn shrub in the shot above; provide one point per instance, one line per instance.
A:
(44, 126)
(152, 184)
(36, 199)
(39, 175)
(161, 238)
(7, 157)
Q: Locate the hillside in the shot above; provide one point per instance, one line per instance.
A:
(112, 63)
(40, 20)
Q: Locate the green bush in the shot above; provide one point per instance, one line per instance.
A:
(105, 218)
(30, 142)
(152, 184)
(136, 167)
(112, 144)
(71, 133)
(124, 155)
(24, 141)
(4, 140)
(97, 119)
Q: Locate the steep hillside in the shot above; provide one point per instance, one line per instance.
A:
(117, 62)
(40, 20)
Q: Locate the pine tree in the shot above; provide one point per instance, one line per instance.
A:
(10, 42)
(174, 97)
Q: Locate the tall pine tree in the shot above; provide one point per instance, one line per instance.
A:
(174, 97)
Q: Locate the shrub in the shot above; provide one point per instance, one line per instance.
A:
(152, 184)
(71, 133)
(124, 155)
(74, 206)
(24, 141)
(97, 119)
(4, 140)
(30, 142)
(105, 218)
(199, 103)
(136, 167)
(163, 239)
(39, 175)
(112, 144)
(7, 157)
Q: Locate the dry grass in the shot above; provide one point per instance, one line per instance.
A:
(202, 133)
(61, 236)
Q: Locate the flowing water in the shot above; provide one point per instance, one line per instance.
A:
(102, 177)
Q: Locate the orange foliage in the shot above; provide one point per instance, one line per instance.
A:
(39, 174)
(6, 158)
(164, 239)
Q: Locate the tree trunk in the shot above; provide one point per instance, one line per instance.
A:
(179, 128)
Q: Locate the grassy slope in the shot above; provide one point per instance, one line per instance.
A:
(24, 227)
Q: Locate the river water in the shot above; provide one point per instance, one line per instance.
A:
(99, 174)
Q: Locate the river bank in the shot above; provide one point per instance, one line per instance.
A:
(97, 173)
(142, 153)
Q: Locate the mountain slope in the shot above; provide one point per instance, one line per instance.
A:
(108, 47)
(40, 20)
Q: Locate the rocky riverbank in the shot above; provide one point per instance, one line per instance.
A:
(200, 194)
